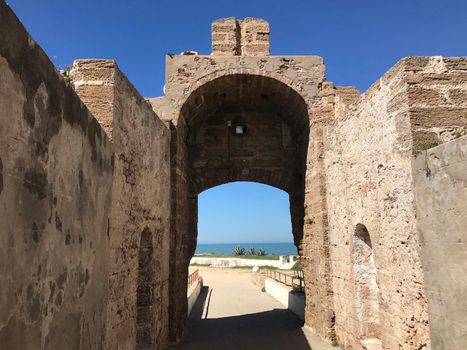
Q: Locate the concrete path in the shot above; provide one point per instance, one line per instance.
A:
(232, 313)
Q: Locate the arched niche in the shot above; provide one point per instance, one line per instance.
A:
(144, 293)
(366, 287)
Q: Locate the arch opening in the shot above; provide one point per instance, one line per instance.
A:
(366, 286)
(237, 127)
(254, 218)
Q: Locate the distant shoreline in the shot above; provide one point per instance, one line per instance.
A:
(245, 243)
(245, 256)
(270, 249)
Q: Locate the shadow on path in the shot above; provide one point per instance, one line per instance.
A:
(273, 329)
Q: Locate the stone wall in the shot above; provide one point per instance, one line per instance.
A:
(437, 97)
(56, 168)
(441, 200)
(368, 153)
(140, 218)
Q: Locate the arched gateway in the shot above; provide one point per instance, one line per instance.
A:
(242, 115)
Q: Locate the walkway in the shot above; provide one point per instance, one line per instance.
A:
(232, 313)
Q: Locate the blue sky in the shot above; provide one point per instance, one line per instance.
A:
(244, 212)
(359, 40)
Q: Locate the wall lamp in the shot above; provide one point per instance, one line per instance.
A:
(238, 127)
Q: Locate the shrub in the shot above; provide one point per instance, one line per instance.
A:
(239, 250)
(261, 252)
(251, 251)
(459, 133)
(66, 73)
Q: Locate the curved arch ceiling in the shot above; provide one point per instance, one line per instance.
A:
(245, 92)
(271, 145)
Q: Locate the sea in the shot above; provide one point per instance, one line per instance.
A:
(228, 248)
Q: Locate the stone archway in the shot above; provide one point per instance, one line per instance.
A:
(237, 127)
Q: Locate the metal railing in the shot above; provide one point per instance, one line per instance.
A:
(295, 280)
(193, 278)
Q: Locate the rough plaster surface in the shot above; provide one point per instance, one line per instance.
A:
(56, 168)
(140, 203)
(440, 178)
(369, 154)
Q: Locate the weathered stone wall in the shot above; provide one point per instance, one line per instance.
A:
(186, 73)
(369, 183)
(440, 177)
(56, 167)
(183, 228)
(140, 218)
(248, 37)
(315, 245)
(437, 97)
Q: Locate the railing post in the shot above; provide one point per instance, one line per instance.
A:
(193, 277)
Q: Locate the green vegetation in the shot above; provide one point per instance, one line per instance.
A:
(243, 256)
(267, 267)
(417, 150)
(334, 342)
(239, 250)
(460, 133)
(238, 267)
(66, 73)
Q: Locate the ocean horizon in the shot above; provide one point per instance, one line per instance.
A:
(228, 248)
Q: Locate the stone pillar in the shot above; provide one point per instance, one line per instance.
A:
(315, 259)
(254, 37)
(248, 37)
(225, 37)
(315, 248)
(94, 82)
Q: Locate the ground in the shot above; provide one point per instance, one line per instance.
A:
(233, 313)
